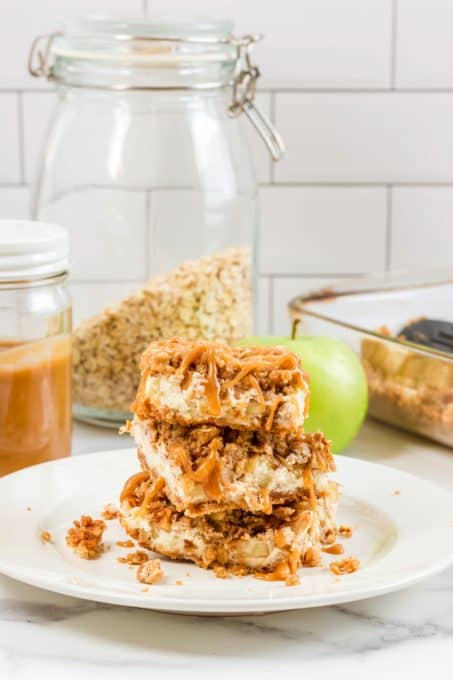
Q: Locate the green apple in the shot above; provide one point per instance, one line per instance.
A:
(338, 386)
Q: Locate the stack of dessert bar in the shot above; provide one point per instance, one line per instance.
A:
(229, 479)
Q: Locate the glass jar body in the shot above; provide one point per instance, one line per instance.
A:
(153, 182)
(35, 372)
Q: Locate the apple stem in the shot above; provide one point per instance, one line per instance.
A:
(296, 323)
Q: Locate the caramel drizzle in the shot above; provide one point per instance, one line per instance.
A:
(209, 474)
(272, 411)
(212, 385)
(335, 549)
(131, 485)
(308, 485)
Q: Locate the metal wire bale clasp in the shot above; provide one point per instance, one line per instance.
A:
(244, 91)
(39, 56)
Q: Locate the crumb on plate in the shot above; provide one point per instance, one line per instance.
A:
(150, 572)
(110, 512)
(46, 537)
(179, 583)
(346, 566)
(397, 492)
(345, 531)
(134, 558)
(125, 544)
(85, 537)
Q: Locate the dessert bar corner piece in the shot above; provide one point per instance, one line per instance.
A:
(193, 383)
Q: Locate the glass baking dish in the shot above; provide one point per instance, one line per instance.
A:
(410, 386)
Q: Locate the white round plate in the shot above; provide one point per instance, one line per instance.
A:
(403, 531)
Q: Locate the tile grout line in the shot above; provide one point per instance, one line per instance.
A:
(393, 44)
(388, 231)
(21, 133)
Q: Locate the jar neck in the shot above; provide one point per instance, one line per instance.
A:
(108, 75)
(54, 280)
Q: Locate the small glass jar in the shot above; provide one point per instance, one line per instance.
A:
(149, 115)
(35, 345)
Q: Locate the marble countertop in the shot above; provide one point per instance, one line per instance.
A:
(405, 634)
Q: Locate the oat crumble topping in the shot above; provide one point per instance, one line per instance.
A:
(85, 537)
(150, 572)
(135, 558)
(346, 566)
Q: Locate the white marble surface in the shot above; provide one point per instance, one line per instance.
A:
(406, 634)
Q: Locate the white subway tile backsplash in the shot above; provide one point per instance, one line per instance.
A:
(10, 171)
(317, 230)
(22, 20)
(262, 316)
(89, 299)
(284, 290)
(14, 203)
(422, 219)
(374, 137)
(38, 108)
(310, 43)
(424, 44)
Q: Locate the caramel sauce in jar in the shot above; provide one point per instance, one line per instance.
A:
(35, 401)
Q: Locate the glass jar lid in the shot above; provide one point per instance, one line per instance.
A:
(32, 250)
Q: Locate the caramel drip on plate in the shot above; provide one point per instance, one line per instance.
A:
(335, 549)
(212, 385)
(209, 474)
(308, 485)
(272, 412)
(132, 483)
(280, 573)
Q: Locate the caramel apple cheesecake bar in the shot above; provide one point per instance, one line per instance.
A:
(206, 466)
(194, 383)
(229, 479)
(271, 546)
